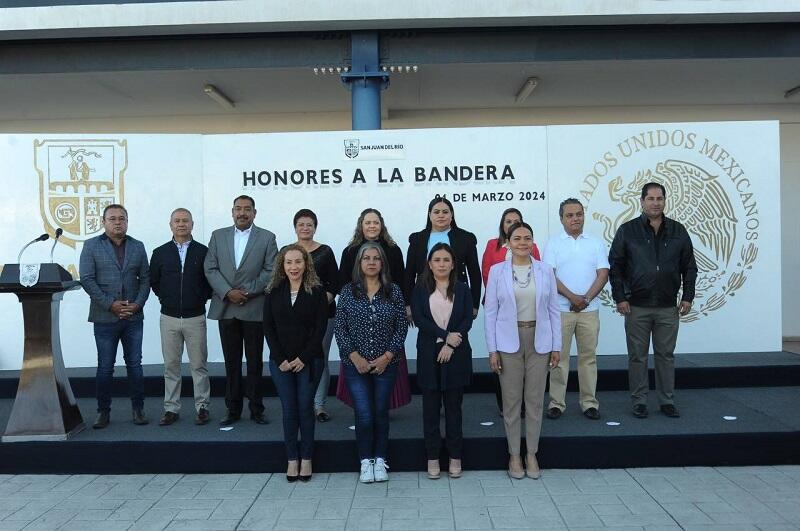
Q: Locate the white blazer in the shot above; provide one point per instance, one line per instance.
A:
(500, 320)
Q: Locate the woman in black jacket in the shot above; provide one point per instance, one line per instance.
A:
(442, 309)
(295, 319)
(441, 228)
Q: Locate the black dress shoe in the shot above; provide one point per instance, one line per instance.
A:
(258, 418)
(168, 418)
(139, 417)
(670, 410)
(305, 479)
(640, 411)
(229, 419)
(203, 416)
(103, 418)
(553, 413)
(592, 413)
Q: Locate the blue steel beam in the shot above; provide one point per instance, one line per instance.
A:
(365, 80)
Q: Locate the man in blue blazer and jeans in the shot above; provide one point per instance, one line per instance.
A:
(115, 274)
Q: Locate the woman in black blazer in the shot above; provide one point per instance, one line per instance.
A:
(295, 319)
(442, 309)
(441, 228)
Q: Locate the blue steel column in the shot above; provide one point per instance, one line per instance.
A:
(365, 80)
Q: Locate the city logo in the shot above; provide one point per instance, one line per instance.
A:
(77, 180)
(707, 191)
(351, 147)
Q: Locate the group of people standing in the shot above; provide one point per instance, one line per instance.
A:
(533, 307)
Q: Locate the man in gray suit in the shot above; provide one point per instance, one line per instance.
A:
(115, 274)
(238, 267)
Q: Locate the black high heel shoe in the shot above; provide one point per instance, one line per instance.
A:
(304, 478)
(293, 478)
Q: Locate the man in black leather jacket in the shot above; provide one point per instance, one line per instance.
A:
(651, 259)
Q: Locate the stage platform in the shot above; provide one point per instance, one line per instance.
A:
(760, 390)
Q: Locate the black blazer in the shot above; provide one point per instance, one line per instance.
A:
(295, 330)
(397, 268)
(465, 247)
(181, 293)
(458, 371)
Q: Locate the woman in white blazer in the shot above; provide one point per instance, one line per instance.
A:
(523, 337)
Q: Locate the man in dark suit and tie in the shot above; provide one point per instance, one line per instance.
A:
(238, 267)
(115, 275)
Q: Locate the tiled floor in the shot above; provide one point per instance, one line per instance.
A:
(765, 498)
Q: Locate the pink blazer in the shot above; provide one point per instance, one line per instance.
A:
(500, 319)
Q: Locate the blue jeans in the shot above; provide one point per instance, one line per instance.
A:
(296, 390)
(371, 394)
(107, 336)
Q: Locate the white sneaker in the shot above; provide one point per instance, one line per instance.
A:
(380, 470)
(368, 471)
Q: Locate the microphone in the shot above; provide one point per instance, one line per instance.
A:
(59, 232)
(41, 238)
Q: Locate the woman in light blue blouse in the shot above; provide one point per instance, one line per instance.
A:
(370, 331)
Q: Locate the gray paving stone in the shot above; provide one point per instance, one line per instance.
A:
(52, 519)
(333, 509)
(579, 516)
(217, 525)
(193, 514)
(31, 511)
(506, 512)
(108, 525)
(482, 501)
(92, 515)
(417, 524)
(131, 509)
(400, 514)
(610, 509)
(525, 522)
(310, 525)
(167, 503)
(687, 513)
(472, 518)
(715, 507)
(231, 510)
(364, 519)
(637, 519)
(300, 511)
(262, 514)
(6, 525)
(155, 519)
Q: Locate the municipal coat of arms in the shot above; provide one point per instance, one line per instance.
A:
(77, 180)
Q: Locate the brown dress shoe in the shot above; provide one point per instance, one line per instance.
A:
(139, 417)
(168, 418)
(203, 416)
(103, 418)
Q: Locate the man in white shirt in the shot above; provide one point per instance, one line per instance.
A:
(581, 267)
(238, 280)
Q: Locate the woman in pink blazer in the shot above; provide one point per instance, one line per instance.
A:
(523, 337)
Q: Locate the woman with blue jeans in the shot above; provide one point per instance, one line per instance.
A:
(370, 331)
(295, 319)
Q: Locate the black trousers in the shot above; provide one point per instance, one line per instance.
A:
(431, 405)
(234, 335)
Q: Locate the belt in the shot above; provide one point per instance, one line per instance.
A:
(526, 324)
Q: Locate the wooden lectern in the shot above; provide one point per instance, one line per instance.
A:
(45, 407)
